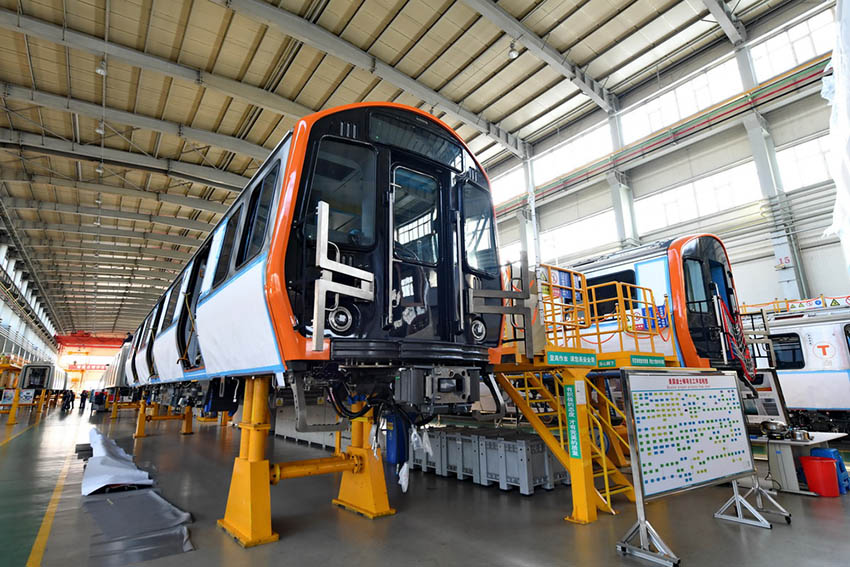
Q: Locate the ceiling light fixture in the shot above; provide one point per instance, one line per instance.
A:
(513, 53)
(101, 69)
(101, 128)
(99, 168)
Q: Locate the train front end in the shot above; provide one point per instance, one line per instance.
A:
(391, 229)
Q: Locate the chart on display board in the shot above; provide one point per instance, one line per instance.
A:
(689, 430)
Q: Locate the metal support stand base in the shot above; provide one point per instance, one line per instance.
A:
(741, 503)
(647, 539)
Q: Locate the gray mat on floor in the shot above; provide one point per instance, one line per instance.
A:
(137, 525)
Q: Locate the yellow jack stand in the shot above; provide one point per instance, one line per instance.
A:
(364, 490)
(224, 418)
(248, 516)
(187, 421)
(114, 412)
(141, 421)
(13, 411)
(42, 402)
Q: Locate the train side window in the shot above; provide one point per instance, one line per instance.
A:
(345, 177)
(172, 305)
(788, 350)
(226, 251)
(257, 219)
(479, 237)
(696, 297)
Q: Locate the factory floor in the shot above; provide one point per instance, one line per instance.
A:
(440, 521)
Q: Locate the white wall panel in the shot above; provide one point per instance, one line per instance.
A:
(825, 272)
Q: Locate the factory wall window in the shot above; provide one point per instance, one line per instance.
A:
(721, 191)
(794, 46)
(508, 186)
(257, 219)
(691, 96)
(575, 237)
(226, 253)
(788, 350)
(804, 164)
(582, 149)
(509, 253)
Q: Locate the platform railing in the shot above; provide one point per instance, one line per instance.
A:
(563, 300)
(623, 311)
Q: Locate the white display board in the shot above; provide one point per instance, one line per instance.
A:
(8, 396)
(688, 430)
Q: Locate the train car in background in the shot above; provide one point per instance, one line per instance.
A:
(344, 265)
(43, 376)
(812, 350)
(694, 291)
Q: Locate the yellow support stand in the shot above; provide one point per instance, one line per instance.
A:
(187, 421)
(13, 411)
(581, 463)
(141, 421)
(248, 516)
(224, 418)
(114, 412)
(365, 490)
(42, 401)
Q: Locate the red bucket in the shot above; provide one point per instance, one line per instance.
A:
(821, 475)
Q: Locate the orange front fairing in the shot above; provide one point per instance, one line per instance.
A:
(293, 344)
(679, 299)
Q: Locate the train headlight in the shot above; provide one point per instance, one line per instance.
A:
(478, 330)
(340, 320)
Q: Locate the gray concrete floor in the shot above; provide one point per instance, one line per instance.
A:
(440, 522)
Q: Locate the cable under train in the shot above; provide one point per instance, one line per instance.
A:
(345, 266)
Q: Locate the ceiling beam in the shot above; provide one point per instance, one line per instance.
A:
(105, 248)
(109, 213)
(503, 20)
(92, 289)
(319, 38)
(97, 280)
(49, 259)
(70, 274)
(105, 113)
(726, 19)
(202, 174)
(68, 37)
(116, 232)
(183, 201)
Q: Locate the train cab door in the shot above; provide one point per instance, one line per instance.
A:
(419, 251)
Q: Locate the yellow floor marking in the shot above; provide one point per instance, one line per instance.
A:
(21, 432)
(40, 545)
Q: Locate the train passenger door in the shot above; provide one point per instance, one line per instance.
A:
(417, 258)
(187, 332)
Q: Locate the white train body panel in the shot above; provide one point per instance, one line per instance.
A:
(824, 381)
(650, 272)
(166, 357)
(234, 327)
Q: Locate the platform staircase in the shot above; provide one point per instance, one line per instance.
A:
(538, 396)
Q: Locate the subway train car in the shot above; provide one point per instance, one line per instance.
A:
(812, 350)
(115, 375)
(692, 275)
(43, 375)
(344, 266)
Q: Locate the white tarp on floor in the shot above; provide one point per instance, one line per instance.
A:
(110, 465)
